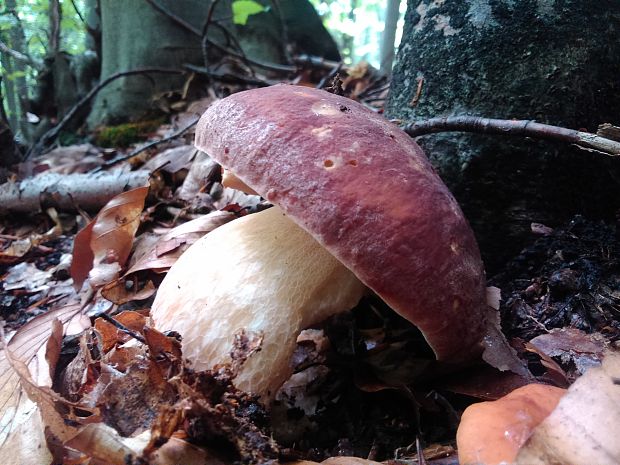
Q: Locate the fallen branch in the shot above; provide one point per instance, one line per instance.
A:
(39, 146)
(66, 192)
(147, 146)
(524, 128)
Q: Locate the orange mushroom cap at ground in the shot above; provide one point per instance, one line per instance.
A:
(365, 206)
(491, 433)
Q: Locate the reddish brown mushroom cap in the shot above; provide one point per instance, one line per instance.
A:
(367, 193)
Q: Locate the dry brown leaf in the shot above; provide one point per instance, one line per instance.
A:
(572, 344)
(555, 373)
(117, 292)
(26, 445)
(53, 346)
(583, 429)
(165, 251)
(232, 197)
(483, 382)
(172, 160)
(108, 238)
(106, 446)
(103, 444)
(201, 172)
(72, 159)
(111, 335)
(82, 261)
(177, 451)
(26, 362)
(349, 461)
(161, 344)
(26, 276)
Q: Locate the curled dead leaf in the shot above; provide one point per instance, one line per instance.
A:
(164, 252)
(108, 238)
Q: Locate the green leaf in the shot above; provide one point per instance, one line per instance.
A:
(242, 9)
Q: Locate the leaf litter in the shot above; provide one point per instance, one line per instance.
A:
(356, 389)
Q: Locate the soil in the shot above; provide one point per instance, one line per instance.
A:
(565, 278)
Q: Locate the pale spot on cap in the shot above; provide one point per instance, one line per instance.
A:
(321, 132)
(322, 108)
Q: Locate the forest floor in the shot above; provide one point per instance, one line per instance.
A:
(365, 393)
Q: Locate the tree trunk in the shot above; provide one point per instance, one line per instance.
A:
(9, 152)
(16, 86)
(11, 92)
(138, 34)
(135, 35)
(55, 18)
(554, 62)
(389, 35)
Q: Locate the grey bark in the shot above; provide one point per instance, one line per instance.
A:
(552, 61)
(17, 89)
(389, 35)
(305, 31)
(93, 26)
(135, 35)
(11, 92)
(9, 152)
(55, 17)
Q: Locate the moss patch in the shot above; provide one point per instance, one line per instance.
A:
(126, 134)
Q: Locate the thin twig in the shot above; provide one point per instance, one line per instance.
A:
(228, 76)
(177, 19)
(205, 31)
(184, 24)
(121, 327)
(328, 78)
(21, 56)
(314, 61)
(524, 128)
(283, 30)
(40, 145)
(77, 11)
(241, 54)
(147, 146)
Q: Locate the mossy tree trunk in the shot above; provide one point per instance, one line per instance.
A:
(553, 61)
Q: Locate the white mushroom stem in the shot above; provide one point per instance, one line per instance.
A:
(229, 179)
(261, 274)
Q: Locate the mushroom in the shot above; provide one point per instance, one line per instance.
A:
(357, 205)
(491, 433)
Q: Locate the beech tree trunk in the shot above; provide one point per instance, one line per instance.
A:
(552, 61)
(136, 34)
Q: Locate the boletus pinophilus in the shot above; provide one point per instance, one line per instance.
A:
(357, 204)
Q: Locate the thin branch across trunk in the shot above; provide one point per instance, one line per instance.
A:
(184, 24)
(40, 145)
(38, 65)
(147, 146)
(524, 128)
